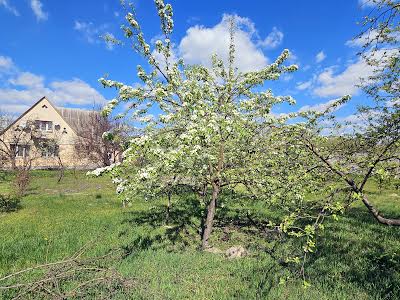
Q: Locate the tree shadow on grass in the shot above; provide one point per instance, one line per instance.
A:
(361, 252)
(5, 176)
(182, 228)
(33, 190)
(9, 203)
(155, 229)
(355, 252)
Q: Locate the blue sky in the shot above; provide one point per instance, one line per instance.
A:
(52, 48)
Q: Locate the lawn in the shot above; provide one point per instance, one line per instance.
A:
(356, 259)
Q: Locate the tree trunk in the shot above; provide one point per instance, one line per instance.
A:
(168, 208)
(61, 170)
(13, 164)
(106, 159)
(210, 215)
(377, 215)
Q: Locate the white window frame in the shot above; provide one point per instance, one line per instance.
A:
(25, 151)
(46, 126)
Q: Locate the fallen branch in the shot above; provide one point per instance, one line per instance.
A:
(74, 277)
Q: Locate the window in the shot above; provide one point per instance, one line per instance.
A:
(50, 151)
(44, 125)
(20, 150)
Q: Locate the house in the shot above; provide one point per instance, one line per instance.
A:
(45, 136)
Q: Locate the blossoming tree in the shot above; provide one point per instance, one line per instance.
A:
(215, 131)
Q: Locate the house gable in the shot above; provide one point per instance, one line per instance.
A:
(44, 110)
(58, 124)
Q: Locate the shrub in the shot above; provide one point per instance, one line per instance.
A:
(9, 203)
(21, 182)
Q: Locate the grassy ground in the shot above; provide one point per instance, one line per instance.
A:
(356, 259)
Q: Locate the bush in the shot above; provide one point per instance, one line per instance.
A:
(9, 203)
(21, 182)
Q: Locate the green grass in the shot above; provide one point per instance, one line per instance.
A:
(356, 258)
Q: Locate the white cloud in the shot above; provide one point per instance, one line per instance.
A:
(287, 77)
(5, 63)
(320, 56)
(331, 84)
(90, 33)
(293, 58)
(304, 85)
(94, 34)
(363, 39)
(273, 40)
(350, 124)
(37, 8)
(8, 7)
(320, 107)
(21, 89)
(75, 91)
(368, 37)
(201, 42)
(28, 80)
(354, 119)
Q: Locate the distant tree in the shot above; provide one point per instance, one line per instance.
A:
(380, 38)
(5, 121)
(371, 146)
(91, 143)
(16, 142)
